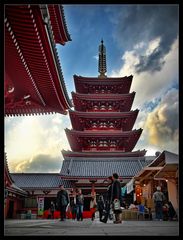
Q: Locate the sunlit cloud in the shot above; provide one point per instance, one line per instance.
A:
(40, 163)
(33, 136)
(154, 96)
(96, 57)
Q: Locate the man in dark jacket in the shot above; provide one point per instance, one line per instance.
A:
(62, 202)
(116, 194)
(108, 201)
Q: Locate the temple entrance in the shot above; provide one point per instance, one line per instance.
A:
(86, 204)
(11, 209)
(47, 202)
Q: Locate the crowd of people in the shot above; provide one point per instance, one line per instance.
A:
(108, 204)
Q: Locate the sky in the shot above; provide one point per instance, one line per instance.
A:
(140, 40)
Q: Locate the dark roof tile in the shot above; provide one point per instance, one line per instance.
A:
(39, 180)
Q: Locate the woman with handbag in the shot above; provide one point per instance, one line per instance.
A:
(116, 198)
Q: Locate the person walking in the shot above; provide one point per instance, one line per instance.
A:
(62, 202)
(52, 209)
(100, 206)
(116, 195)
(93, 205)
(106, 211)
(79, 205)
(73, 206)
(159, 198)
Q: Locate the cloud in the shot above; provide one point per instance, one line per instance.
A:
(96, 57)
(149, 87)
(143, 23)
(33, 136)
(161, 126)
(156, 97)
(41, 163)
(162, 123)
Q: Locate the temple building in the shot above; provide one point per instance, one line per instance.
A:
(102, 137)
(34, 83)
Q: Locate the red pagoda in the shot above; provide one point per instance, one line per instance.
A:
(102, 139)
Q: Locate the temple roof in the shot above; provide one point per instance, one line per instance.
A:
(115, 84)
(165, 157)
(39, 180)
(58, 23)
(127, 138)
(34, 82)
(103, 96)
(164, 166)
(80, 119)
(123, 102)
(70, 154)
(10, 185)
(102, 167)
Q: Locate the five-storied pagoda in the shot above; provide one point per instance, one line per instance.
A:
(102, 138)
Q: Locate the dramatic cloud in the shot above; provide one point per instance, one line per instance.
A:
(149, 87)
(162, 124)
(34, 136)
(143, 23)
(156, 97)
(40, 163)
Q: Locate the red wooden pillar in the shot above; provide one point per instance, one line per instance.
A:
(93, 187)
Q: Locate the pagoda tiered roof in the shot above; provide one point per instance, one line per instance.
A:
(116, 85)
(116, 102)
(120, 120)
(70, 154)
(125, 141)
(34, 82)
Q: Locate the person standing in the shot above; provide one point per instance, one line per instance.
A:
(116, 194)
(107, 201)
(100, 206)
(93, 205)
(73, 206)
(62, 202)
(79, 205)
(158, 198)
(52, 209)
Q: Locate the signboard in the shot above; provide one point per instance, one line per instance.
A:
(129, 186)
(40, 206)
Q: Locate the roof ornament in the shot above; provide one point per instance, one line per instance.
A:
(102, 69)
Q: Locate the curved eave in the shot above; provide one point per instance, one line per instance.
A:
(58, 22)
(123, 84)
(77, 125)
(70, 154)
(33, 56)
(16, 190)
(75, 137)
(6, 171)
(123, 101)
(103, 133)
(81, 78)
(103, 96)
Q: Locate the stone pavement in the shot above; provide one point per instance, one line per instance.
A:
(87, 227)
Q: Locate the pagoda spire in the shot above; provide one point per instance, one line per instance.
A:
(102, 69)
